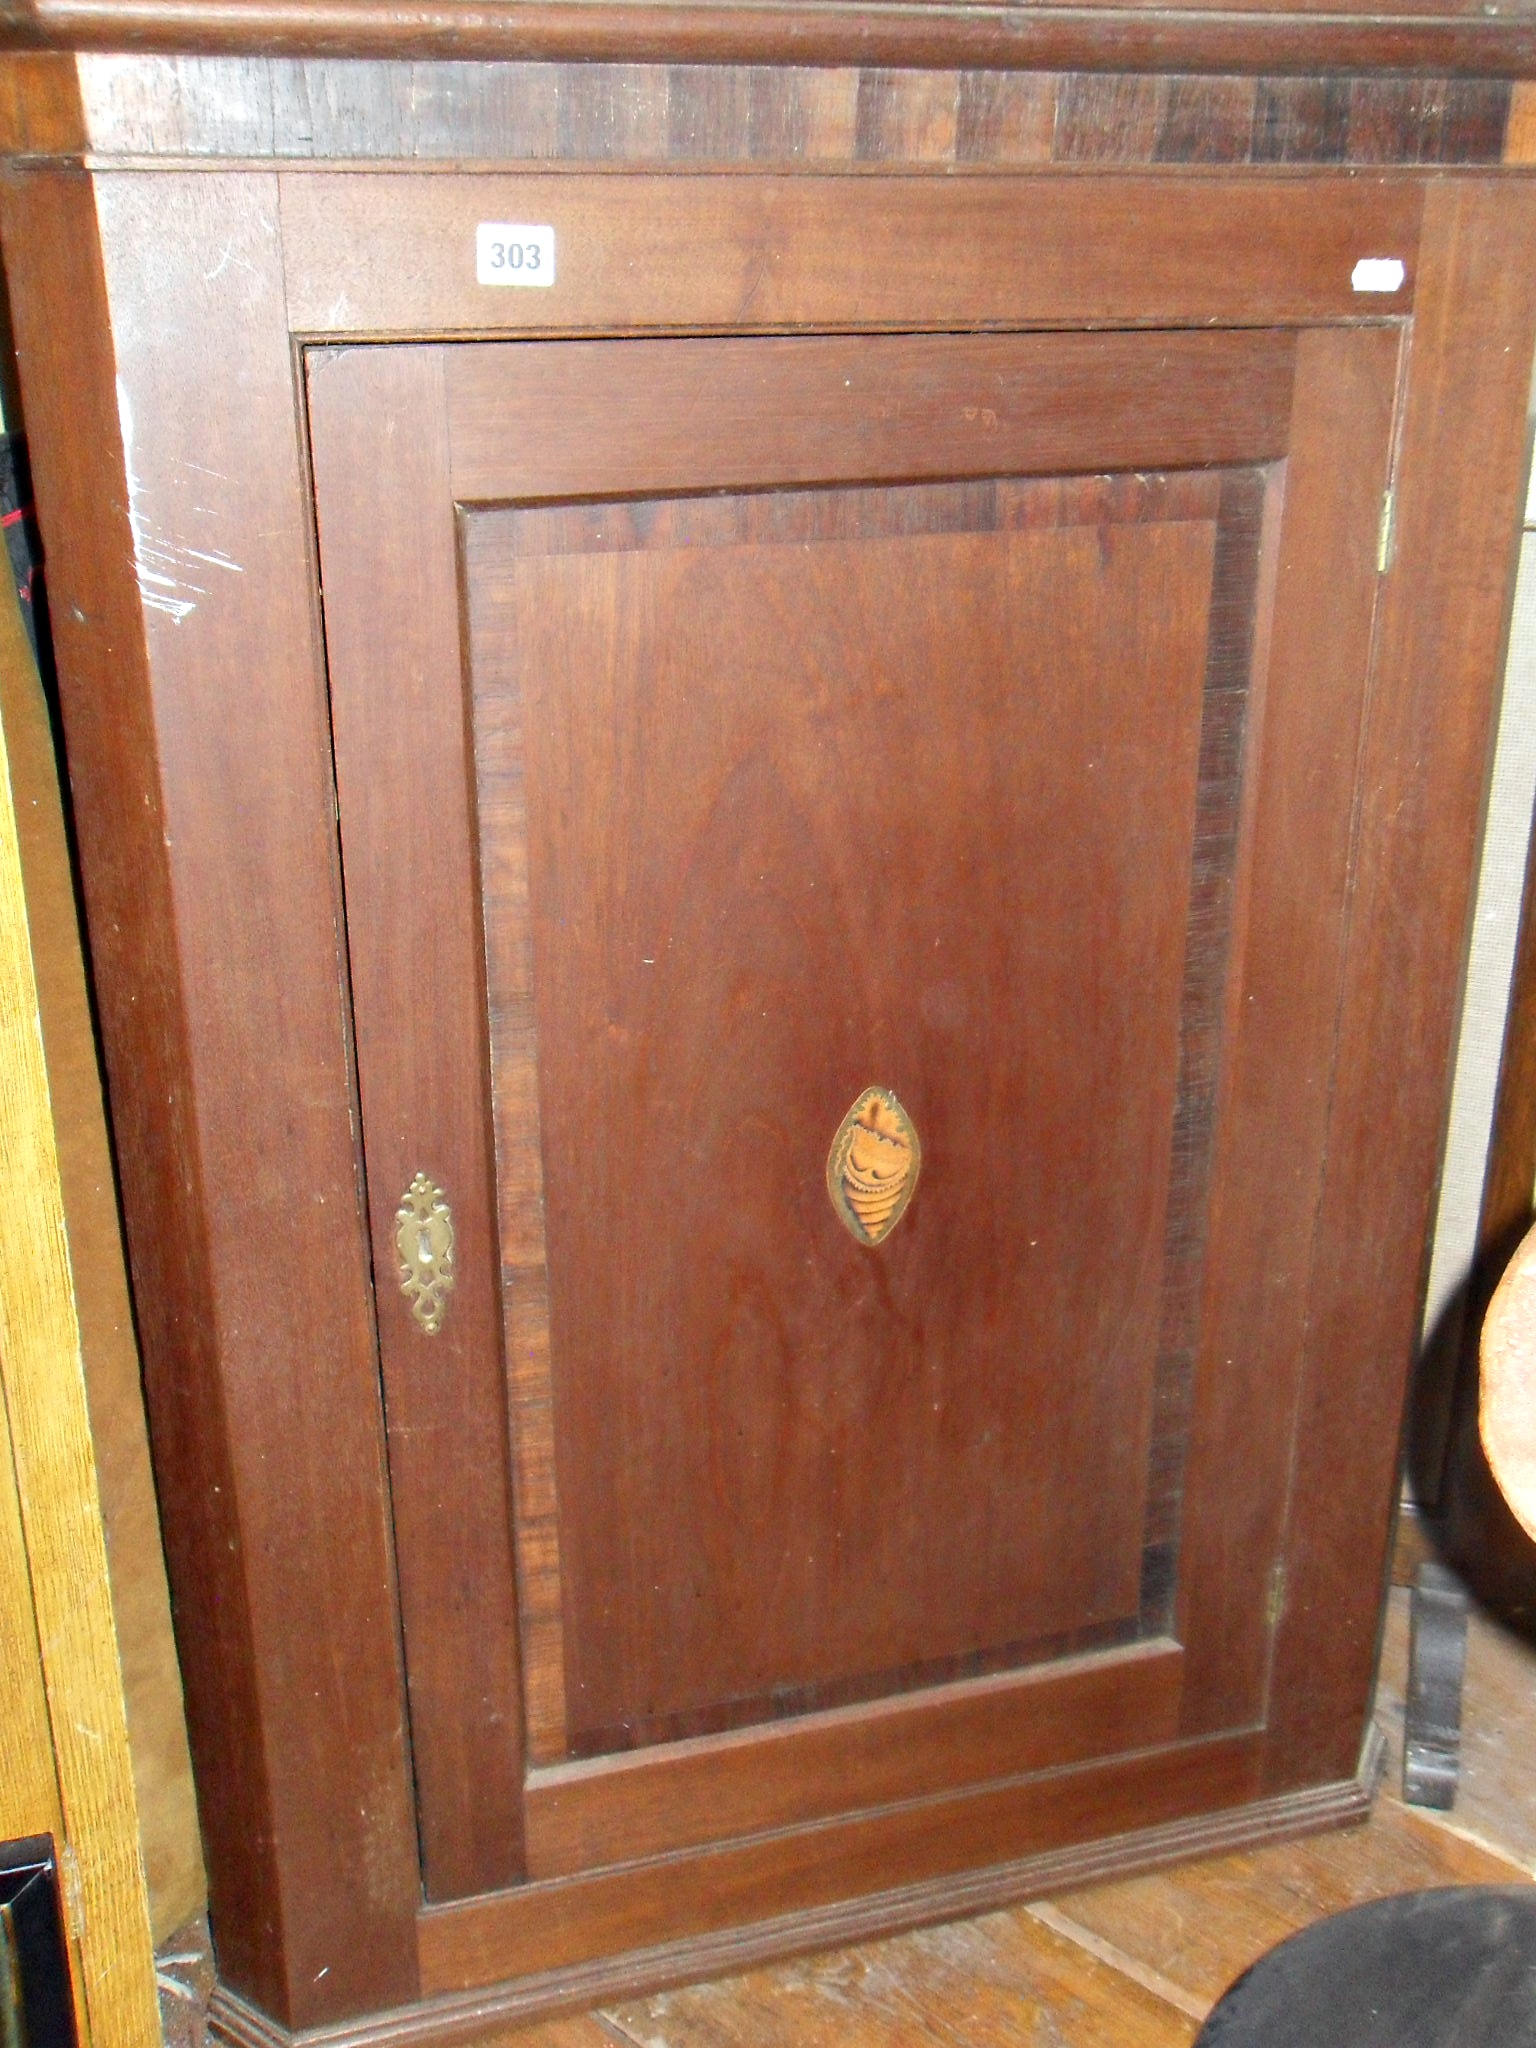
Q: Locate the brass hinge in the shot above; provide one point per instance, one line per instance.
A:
(1275, 1606)
(1385, 537)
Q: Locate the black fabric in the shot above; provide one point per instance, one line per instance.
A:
(24, 546)
(1437, 1969)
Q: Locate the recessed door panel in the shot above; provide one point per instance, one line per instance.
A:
(824, 791)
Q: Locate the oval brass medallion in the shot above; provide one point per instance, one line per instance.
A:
(872, 1167)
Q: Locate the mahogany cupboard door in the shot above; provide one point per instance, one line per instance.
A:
(845, 845)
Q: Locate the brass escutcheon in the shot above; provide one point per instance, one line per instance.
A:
(873, 1166)
(424, 1240)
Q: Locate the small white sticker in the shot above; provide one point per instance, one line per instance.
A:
(1378, 274)
(510, 252)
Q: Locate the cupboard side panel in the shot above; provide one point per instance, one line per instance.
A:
(195, 718)
(64, 346)
(1444, 612)
(221, 519)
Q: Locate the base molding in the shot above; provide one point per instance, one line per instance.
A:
(467, 2016)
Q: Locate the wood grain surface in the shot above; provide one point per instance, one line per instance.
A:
(29, 1782)
(48, 1449)
(500, 434)
(270, 1376)
(834, 1433)
(157, 1733)
(1141, 1960)
(486, 2012)
(200, 745)
(392, 631)
(504, 879)
(614, 1809)
(1200, 1925)
(1242, 594)
(587, 419)
(29, 1787)
(1418, 35)
(40, 108)
(1008, 1978)
(1520, 126)
(1290, 923)
(119, 818)
(517, 427)
(1153, 1951)
(564, 1922)
(224, 581)
(382, 254)
(1150, 1951)
(1425, 752)
(453, 111)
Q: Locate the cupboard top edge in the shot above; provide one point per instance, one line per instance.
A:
(1457, 37)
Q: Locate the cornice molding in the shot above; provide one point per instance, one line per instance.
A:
(1443, 38)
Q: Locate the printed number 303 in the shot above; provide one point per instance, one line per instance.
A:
(515, 255)
(514, 252)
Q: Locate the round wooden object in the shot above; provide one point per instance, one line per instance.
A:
(1507, 1407)
(1437, 1969)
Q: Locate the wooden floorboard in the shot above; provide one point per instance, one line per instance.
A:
(1004, 1978)
(582, 2031)
(1201, 1925)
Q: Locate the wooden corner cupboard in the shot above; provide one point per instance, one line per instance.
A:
(777, 721)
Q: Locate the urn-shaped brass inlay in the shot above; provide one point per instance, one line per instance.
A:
(872, 1167)
(424, 1240)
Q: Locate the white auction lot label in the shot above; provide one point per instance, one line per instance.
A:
(1378, 274)
(511, 252)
